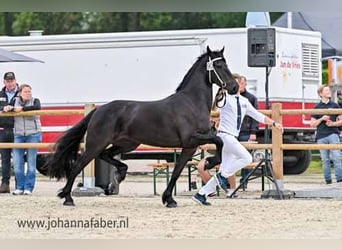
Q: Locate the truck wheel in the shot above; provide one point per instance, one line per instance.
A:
(300, 164)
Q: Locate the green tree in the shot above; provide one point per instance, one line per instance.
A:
(50, 22)
(19, 23)
(6, 23)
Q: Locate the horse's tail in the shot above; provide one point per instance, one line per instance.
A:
(60, 163)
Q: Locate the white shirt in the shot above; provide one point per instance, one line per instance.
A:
(228, 114)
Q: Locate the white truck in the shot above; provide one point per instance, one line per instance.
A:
(98, 68)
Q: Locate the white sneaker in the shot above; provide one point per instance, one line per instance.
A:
(27, 192)
(229, 193)
(18, 192)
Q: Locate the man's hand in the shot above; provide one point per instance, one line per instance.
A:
(18, 109)
(8, 108)
(252, 137)
(278, 126)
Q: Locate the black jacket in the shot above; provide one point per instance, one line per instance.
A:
(249, 125)
(8, 121)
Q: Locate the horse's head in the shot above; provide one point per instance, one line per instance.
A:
(219, 72)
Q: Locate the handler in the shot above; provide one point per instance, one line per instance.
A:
(234, 155)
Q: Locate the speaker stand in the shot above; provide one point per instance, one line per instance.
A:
(265, 166)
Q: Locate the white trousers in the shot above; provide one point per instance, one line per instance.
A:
(234, 157)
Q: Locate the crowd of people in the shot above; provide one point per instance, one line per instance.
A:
(18, 129)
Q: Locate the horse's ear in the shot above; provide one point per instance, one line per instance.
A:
(222, 50)
(208, 50)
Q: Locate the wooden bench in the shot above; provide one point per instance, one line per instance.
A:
(163, 168)
(160, 168)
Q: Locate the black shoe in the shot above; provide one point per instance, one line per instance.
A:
(4, 188)
(193, 185)
(221, 181)
(200, 199)
(244, 186)
(328, 181)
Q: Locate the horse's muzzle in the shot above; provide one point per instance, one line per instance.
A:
(232, 90)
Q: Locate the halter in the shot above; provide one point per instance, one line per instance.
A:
(210, 67)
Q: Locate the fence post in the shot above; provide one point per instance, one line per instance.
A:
(88, 188)
(89, 170)
(277, 141)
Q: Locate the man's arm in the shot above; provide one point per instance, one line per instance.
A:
(255, 114)
(337, 123)
(36, 105)
(269, 121)
(315, 122)
(254, 124)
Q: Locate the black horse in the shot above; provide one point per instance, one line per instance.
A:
(180, 120)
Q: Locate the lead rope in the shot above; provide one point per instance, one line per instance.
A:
(220, 95)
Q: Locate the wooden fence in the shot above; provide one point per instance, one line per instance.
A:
(277, 146)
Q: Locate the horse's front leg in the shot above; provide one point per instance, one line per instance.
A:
(210, 138)
(217, 158)
(184, 157)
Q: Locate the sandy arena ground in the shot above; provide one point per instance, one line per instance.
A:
(142, 215)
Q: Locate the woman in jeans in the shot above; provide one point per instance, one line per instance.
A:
(27, 129)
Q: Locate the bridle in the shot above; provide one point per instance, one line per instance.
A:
(221, 93)
(210, 67)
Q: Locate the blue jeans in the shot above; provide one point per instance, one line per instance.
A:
(6, 135)
(328, 156)
(25, 181)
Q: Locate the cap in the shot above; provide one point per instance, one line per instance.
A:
(9, 75)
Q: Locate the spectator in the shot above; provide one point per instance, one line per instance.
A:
(27, 129)
(328, 133)
(7, 94)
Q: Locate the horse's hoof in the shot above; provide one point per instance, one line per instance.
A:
(68, 203)
(61, 194)
(171, 204)
(163, 200)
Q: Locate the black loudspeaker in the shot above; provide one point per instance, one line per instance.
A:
(261, 47)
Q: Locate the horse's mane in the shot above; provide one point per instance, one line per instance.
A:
(189, 73)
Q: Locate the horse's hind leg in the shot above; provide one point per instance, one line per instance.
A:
(184, 157)
(80, 164)
(108, 156)
(121, 167)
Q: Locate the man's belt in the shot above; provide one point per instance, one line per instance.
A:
(224, 132)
